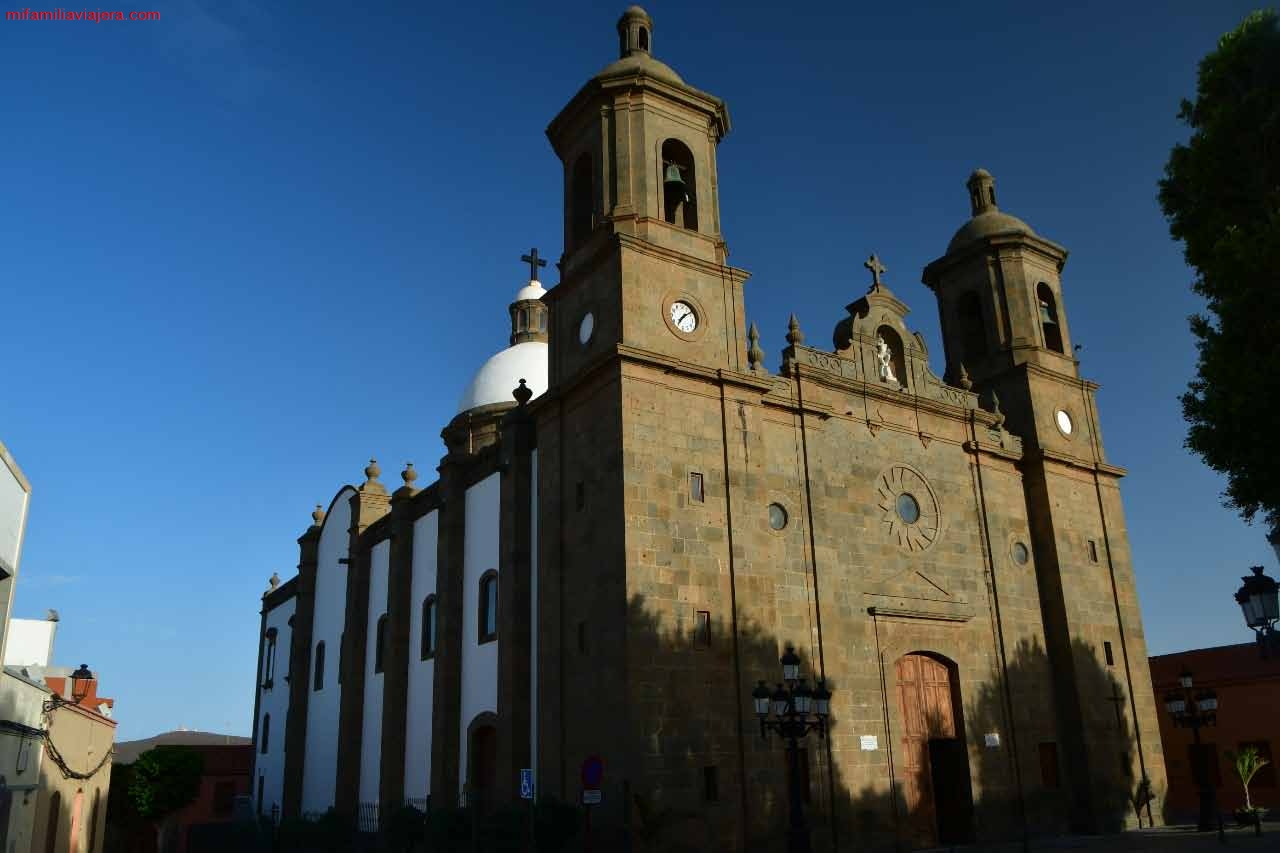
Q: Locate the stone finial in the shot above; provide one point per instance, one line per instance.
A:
(372, 471)
(523, 393)
(877, 269)
(965, 382)
(982, 191)
(795, 337)
(317, 515)
(995, 410)
(273, 582)
(408, 474)
(51, 615)
(755, 355)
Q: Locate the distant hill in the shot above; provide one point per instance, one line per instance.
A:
(127, 752)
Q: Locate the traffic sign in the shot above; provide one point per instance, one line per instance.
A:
(592, 772)
(526, 784)
(591, 797)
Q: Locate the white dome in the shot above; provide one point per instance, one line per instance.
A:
(499, 376)
(532, 290)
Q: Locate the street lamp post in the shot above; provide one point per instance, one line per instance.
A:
(792, 712)
(1258, 600)
(1195, 710)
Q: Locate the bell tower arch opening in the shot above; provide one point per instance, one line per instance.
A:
(1049, 317)
(582, 214)
(935, 760)
(679, 207)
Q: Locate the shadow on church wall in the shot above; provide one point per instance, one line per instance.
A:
(685, 692)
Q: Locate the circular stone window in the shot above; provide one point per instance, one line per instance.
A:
(777, 516)
(1064, 422)
(1020, 553)
(586, 328)
(908, 508)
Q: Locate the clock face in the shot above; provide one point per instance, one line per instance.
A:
(908, 508)
(1064, 422)
(683, 317)
(586, 328)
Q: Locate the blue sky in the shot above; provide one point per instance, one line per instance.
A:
(248, 246)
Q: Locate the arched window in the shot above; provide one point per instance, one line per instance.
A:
(266, 734)
(380, 643)
(269, 658)
(318, 683)
(51, 827)
(1049, 317)
(973, 334)
(644, 38)
(428, 650)
(679, 205)
(582, 202)
(93, 821)
(488, 607)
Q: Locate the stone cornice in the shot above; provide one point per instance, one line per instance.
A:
(1037, 454)
(1038, 245)
(280, 594)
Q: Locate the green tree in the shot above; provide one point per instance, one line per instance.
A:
(162, 781)
(1221, 195)
(1248, 762)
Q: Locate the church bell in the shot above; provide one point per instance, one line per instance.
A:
(1047, 314)
(673, 185)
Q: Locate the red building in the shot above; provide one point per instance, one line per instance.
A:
(1248, 714)
(228, 762)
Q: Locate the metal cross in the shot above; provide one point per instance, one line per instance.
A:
(877, 269)
(534, 262)
(1118, 698)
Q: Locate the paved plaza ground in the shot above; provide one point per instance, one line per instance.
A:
(1168, 839)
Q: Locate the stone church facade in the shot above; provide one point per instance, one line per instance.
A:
(620, 543)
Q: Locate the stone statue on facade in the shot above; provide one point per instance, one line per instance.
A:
(884, 358)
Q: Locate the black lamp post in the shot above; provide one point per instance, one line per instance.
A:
(1195, 710)
(1258, 601)
(792, 712)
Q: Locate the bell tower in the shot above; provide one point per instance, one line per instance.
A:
(999, 291)
(644, 262)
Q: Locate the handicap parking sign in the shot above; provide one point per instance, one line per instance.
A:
(526, 784)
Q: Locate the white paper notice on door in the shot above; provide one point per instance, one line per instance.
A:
(870, 743)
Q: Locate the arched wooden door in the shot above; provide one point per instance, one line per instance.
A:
(935, 763)
(484, 766)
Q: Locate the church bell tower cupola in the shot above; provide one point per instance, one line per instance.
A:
(635, 31)
(528, 311)
(999, 291)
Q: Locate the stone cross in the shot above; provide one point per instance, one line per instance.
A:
(534, 262)
(877, 269)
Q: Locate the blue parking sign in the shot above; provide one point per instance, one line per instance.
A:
(526, 784)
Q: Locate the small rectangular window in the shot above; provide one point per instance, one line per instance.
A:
(580, 495)
(695, 487)
(582, 638)
(1106, 651)
(1093, 551)
(1049, 777)
(702, 628)
(710, 784)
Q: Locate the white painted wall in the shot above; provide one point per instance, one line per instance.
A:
(320, 769)
(417, 742)
(274, 701)
(533, 622)
(479, 662)
(14, 496)
(371, 728)
(30, 642)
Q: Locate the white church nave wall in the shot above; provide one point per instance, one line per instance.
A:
(371, 733)
(479, 660)
(320, 768)
(418, 719)
(273, 703)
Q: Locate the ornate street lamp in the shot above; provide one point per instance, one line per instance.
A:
(80, 681)
(1194, 710)
(1258, 601)
(792, 712)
